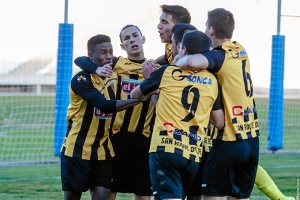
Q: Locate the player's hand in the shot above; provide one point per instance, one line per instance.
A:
(148, 96)
(147, 68)
(154, 97)
(105, 70)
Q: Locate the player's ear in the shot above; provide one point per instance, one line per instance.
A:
(185, 52)
(144, 39)
(211, 31)
(90, 55)
(122, 46)
(178, 46)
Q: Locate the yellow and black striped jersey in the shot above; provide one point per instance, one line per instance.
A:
(231, 65)
(88, 128)
(138, 118)
(182, 110)
(169, 52)
(212, 133)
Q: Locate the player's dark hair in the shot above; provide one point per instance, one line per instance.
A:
(195, 42)
(179, 13)
(179, 29)
(95, 40)
(127, 26)
(222, 22)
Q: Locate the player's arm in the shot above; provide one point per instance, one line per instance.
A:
(217, 118)
(82, 85)
(154, 98)
(86, 64)
(162, 60)
(110, 106)
(136, 93)
(195, 61)
(217, 114)
(149, 86)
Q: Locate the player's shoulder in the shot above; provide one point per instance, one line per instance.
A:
(206, 72)
(207, 75)
(80, 79)
(121, 63)
(81, 75)
(167, 67)
(118, 60)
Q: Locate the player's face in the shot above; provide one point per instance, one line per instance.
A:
(175, 46)
(207, 30)
(132, 41)
(103, 54)
(181, 51)
(165, 26)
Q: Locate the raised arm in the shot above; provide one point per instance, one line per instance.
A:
(162, 60)
(86, 64)
(195, 61)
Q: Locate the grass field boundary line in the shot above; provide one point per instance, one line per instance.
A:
(25, 163)
(264, 152)
(281, 166)
(258, 197)
(56, 161)
(29, 179)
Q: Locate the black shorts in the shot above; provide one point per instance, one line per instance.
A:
(230, 168)
(131, 163)
(195, 188)
(171, 174)
(81, 175)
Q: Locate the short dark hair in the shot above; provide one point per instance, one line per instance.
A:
(222, 21)
(127, 26)
(179, 29)
(195, 42)
(179, 13)
(95, 40)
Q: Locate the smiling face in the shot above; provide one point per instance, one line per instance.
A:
(132, 42)
(165, 26)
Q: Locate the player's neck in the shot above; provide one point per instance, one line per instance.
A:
(138, 56)
(217, 42)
